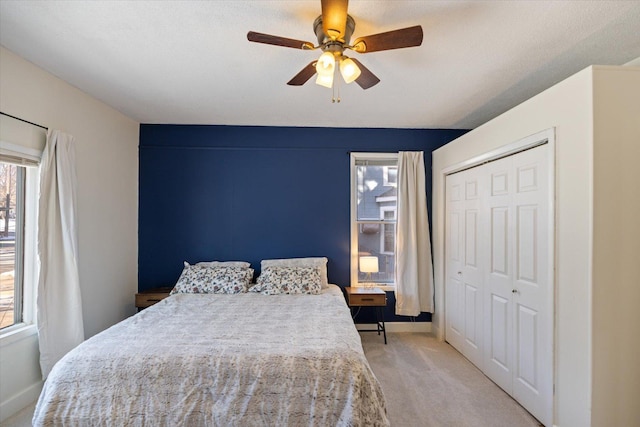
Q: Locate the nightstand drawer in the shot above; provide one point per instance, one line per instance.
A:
(365, 300)
(149, 297)
(362, 297)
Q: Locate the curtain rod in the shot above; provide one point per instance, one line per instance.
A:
(23, 120)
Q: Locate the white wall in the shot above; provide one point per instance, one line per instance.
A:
(107, 170)
(568, 107)
(616, 242)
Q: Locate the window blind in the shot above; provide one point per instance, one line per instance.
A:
(20, 143)
(392, 160)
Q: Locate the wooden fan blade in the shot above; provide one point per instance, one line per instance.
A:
(278, 41)
(366, 78)
(334, 18)
(304, 75)
(397, 39)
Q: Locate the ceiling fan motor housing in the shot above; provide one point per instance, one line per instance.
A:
(325, 42)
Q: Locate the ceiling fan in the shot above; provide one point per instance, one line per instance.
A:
(334, 29)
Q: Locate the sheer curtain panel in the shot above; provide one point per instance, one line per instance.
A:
(59, 305)
(414, 270)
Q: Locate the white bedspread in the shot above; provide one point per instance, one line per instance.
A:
(220, 360)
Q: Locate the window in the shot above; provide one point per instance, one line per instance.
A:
(18, 189)
(11, 243)
(373, 216)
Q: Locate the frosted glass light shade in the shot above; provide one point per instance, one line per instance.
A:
(326, 64)
(325, 80)
(349, 70)
(369, 264)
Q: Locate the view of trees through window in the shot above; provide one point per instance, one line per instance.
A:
(376, 218)
(10, 189)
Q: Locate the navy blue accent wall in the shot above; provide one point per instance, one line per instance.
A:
(253, 193)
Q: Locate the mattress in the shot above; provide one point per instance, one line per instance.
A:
(220, 360)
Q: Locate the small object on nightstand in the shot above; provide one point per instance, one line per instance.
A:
(369, 264)
(369, 297)
(148, 297)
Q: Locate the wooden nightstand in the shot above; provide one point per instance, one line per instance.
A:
(148, 297)
(369, 297)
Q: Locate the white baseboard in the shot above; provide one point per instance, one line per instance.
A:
(436, 332)
(400, 326)
(20, 401)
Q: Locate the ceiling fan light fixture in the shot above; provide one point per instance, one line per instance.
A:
(349, 70)
(326, 64)
(333, 29)
(325, 80)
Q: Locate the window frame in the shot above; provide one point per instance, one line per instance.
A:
(18, 269)
(383, 235)
(386, 182)
(26, 250)
(356, 157)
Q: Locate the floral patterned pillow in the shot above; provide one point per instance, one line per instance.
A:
(224, 264)
(213, 280)
(288, 280)
(319, 262)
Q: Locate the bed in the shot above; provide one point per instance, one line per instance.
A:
(244, 359)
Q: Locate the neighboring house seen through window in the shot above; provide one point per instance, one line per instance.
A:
(373, 216)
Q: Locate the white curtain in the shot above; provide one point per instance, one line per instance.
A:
(59, 314)
(414, 269)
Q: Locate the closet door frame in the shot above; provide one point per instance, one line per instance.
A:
(541, 138)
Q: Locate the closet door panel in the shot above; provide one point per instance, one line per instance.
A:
(532, 285)
(454, 277)
(472, 269)
(463, 287)
(454, 248)
(498, 278)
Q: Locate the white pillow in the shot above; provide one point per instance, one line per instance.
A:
(318, 262)
(224, 264)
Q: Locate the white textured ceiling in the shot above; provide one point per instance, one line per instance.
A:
(189, 62)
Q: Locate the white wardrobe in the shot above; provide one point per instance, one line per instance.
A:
(594, 236)
(498, 257)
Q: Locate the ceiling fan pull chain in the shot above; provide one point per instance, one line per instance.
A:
(336, 85)
(333, 92)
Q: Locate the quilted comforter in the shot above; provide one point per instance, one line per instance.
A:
(220, 360)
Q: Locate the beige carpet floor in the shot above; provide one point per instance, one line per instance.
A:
(429, 384)
(426, 383)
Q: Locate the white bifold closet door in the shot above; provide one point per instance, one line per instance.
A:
(499, 282)
(464, 266)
